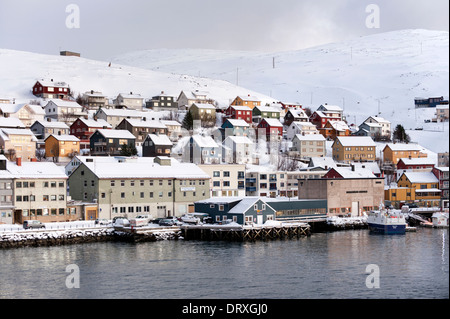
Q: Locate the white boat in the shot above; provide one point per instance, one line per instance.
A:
(440, 219)
(386, 222)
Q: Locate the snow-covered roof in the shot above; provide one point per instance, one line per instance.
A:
(47, 170)
(204, 141)
(11, 122)
(417, 161)
(64, 137)
(420, 177)
(7, 132)
(147, 123)
(240, 107)
(52, 124)
(268, 109)
(322, 162)
(310, 137)
(95, 123)
(358, 172)
(356, 141)
(160, 139)
(238, 140)
(339, 125)
(140, 170)
(48, 83)
(204, 106)
(130, 96)
(245, 204)
(65, 103)
(248, 98)
(403, 147)
(126, 112)
(107, 133)
(273, 122)
(238, 122)
(330, 108)
(170, 123)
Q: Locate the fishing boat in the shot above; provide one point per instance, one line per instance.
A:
(386, 221)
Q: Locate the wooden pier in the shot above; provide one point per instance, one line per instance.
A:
(244, 233)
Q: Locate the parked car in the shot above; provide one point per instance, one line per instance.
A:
(27, 224)
(102, 221)
(169, 222)
(120, 222)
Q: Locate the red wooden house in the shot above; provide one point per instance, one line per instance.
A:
(238, 112)
(51, 90)
(415, 163)
(320, 119)
(272, 127)
(83, 129)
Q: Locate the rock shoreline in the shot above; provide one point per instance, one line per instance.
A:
(70, 237)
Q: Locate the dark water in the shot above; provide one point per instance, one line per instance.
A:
(326, 265)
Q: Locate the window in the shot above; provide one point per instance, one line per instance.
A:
(122, 195)
(216, 174)
(122, 183)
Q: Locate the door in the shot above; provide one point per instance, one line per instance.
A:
(355, 209)
(259, 219)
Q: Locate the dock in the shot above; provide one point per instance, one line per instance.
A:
(245, 233)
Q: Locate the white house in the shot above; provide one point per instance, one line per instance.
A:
(237, 150)
(309, 145)
(385, 125)
(303, 128)
(63, 110)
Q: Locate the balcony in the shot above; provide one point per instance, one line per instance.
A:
(250, 180)
(250, 189)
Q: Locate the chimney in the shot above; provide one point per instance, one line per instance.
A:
(92, 91)
(353, 168)
(19, 161)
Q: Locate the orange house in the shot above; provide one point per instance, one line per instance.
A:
(415, 187)
(249, 101)
(393, 152)
(333, 129)
(61, 145)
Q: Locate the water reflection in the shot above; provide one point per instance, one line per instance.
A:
(326, 265)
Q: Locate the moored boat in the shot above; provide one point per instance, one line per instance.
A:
(386, 222)
(440, 220)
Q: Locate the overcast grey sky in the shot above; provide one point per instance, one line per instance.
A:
(107, 27)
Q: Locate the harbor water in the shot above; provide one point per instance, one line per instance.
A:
(334, 265)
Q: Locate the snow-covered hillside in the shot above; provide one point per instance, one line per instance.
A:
(20, 70)
(381, 73)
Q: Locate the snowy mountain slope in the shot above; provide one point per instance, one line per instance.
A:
(20, 70)
(392, 68)
(381, 73)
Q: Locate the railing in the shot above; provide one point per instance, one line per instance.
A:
(52, 226)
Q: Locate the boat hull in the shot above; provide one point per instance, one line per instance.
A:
(387, 229)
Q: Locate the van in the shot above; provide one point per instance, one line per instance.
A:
(27, 224)
(141, 220)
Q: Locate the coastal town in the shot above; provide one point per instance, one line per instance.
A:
(93, 157)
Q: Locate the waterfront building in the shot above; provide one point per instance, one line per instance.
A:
(227, 180)
(131, 186)
(39, 190)
(348, 190)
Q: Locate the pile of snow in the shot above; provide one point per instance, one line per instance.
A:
(345, 221)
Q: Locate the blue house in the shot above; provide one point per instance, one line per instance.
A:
(202, 150)
(241, 210)
(232, 127)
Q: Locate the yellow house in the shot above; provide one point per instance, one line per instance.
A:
(61, 145)
(419, 187)
(393, 152)
(354, 148)
(249, 101)
(18, 143)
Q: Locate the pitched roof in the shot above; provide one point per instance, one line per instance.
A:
(272, 122)
(66, 138)
(116, 133)
(355, 141)
(160, 139)
(145, 169)
(403, 147)
(204, 141)
(420, 177)
(237, 122)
